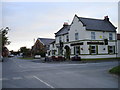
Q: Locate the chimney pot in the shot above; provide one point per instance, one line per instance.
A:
(106, 18)
(65, 24)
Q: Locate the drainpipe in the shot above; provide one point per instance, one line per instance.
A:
(116, 43)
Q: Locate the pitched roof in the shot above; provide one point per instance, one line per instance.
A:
(97, 24)
(52, 42)
(63, 30)
(46, 41)
(118, 36)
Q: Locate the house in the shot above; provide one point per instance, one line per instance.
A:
(41, 46)
(118, 45)
(87, 38)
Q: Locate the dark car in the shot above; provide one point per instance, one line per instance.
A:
(76, 58)
(1, 58)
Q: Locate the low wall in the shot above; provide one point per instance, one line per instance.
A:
(97, 56)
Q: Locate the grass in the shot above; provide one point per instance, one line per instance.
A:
(26, 58)
(115, 70)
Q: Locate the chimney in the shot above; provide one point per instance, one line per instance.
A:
(106, 18)
(65, 24)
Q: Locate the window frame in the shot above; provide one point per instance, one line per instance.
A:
(95, 49)
(93, 36)
(76, 36)
(110, 36)
(67, 38)
(111, 49)
(77, 50)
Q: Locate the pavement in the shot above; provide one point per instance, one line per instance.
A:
(18, 73)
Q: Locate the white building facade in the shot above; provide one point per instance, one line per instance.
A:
(87, 38)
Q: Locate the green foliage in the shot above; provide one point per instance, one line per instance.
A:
(115, 70)
(4, 37)
(25, 51)
(26, 58)
(4, 41)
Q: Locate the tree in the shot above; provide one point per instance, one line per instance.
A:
(4, 41)
(26, 51)
(4, 37)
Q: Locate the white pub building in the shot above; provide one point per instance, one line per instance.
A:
(85, 37)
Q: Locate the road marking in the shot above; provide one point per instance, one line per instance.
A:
(17, 78)
(28, 77)
(43, 82)
(20, 66)
(4, 79)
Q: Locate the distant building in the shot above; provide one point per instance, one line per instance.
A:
(87, 38)
(41, 45)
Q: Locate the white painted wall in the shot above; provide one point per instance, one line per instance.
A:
(101, 49)
(77, 27)
(85, 48)
(97, 56)
(100, 35)
(63, 38)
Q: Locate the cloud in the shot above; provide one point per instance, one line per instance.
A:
(32, 20)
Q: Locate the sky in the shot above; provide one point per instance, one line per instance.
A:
(31, 20)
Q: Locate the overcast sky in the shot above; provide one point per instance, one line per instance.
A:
(29, 20)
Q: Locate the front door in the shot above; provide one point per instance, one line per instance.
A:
(67, 53)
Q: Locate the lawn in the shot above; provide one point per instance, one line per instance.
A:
(26, 58)
(115, 70)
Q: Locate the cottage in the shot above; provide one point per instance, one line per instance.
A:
(87, 38)
(41, 46)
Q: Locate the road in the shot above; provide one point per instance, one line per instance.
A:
(17, 73)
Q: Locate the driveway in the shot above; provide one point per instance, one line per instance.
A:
(18, 73)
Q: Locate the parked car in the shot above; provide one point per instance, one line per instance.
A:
(76, 58)
(11, 55)
(37, 56)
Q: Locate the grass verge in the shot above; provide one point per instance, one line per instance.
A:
(115, 70)
(26, 58)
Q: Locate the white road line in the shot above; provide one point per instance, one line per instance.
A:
(28, 77)
(43, 82)
(4, 79)
(17, 78)
(20, 66)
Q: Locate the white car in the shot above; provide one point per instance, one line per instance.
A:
(11, 55)
(37, 56)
